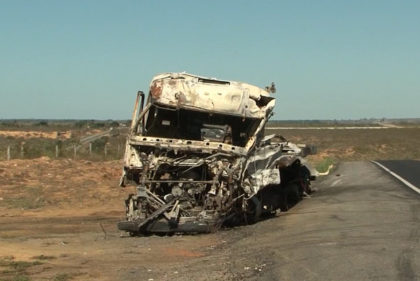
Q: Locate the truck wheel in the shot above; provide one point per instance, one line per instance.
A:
(293, 195)
(254, 210)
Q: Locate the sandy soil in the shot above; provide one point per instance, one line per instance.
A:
(69, 187)
(64, 135)
(58, 222)
(35, 134)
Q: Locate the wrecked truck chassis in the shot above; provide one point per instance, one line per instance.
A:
(241, 209)
(198, 169)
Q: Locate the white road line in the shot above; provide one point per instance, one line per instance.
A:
(330, 128)
(404, 181)
(336, 182)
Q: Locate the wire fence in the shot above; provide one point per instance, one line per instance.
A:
(103, 148)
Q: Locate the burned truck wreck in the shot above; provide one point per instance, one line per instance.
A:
(199, 158)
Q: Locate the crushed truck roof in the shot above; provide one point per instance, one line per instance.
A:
(183, 90)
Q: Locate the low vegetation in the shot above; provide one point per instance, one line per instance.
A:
(324, 164)
(338, 145)
(28, 198)
(13, 270)
(43, 257)
(63, 277)
(333, 145)
(26, 139)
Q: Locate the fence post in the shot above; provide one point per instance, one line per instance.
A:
(22, 153)
(8, 152)
(90, 148)
(56, 151)
(105, 149)
(74, 151)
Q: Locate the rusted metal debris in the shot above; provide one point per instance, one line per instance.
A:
(199, 158)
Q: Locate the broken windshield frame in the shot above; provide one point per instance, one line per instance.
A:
(166, 122)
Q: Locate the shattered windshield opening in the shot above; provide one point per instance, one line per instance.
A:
(197, 125)
(216, 133)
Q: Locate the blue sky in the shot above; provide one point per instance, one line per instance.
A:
(329, 59)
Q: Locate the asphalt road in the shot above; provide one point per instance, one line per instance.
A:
(407, 169)
(362, 224)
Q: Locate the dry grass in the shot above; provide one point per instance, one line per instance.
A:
(358, 144)
(41, 184)
(14, 270)
(29, 198)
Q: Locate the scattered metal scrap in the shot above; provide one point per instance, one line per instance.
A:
(199, 158)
